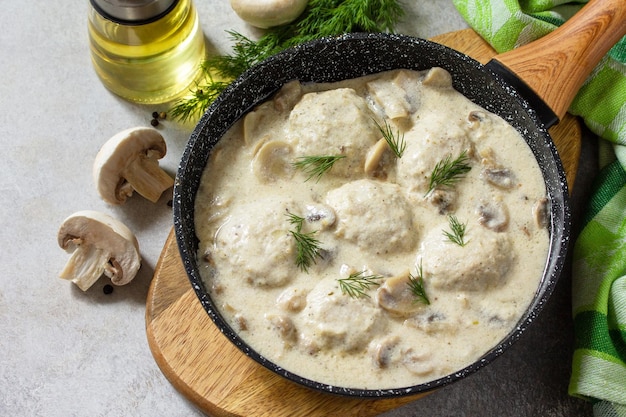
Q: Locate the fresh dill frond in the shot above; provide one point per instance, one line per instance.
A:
(192, 106)
(321, 18)
(316, 166)
(357, 283)
(295, 220)
(307, 249)
(457, 233)
(394, 140)
(246, 53)
(449, 171)
(416, 284)
(307, 246)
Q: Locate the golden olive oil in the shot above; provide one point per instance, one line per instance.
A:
(150, 61)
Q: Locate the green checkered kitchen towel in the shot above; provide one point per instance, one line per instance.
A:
(599, 270)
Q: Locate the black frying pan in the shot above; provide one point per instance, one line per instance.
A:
(554, 67)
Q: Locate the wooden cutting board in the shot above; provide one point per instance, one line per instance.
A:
(220, 380)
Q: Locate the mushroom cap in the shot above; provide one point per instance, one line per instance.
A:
(89, 227)
(117, 154)
(268, 13)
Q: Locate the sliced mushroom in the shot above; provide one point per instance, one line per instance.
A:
(500, 177)
(268, 13)
(437, 77)
(391, 98)
(374, 156)
(479, 125)
(488, 158)
(395, 296)
(100, 245)
(540, 213)
(128, 162)
(271, 161)
(292, 300)
(430, 323)
(320, 214)
(254, 122)
(284, 326)
(382, 351)
(288, 96)
(418, 363)
(493, 216)
(443, 199)
(476, 116)
(240, 322)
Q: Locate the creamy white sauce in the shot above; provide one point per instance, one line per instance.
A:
(371, 213)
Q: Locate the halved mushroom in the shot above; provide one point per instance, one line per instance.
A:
(395, 296)
(128, 162)
(100, 245)
(493, 215)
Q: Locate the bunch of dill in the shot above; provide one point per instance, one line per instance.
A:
(321, 18)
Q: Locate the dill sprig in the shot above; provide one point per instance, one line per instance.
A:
(416, 284)
(320, 18)
(295, 220)
(394, 140)
(316, 166)
(457, 233)
(357, 283)
(307, 246)
(448, 171)
(194, 105)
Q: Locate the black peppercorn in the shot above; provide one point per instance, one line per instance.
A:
(154, 122)
(155, 114)
(107, 289)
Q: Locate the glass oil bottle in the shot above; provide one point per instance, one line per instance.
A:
(146, 51)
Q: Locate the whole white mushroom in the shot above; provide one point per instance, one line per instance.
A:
(268, 13)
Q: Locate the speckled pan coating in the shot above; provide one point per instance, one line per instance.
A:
(350, 56)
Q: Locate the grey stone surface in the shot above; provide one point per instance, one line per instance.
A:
(68, 353)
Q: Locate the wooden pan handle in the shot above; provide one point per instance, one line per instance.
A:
(556, 65)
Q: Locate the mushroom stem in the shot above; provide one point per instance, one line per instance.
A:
(148, 178)
(86, 264)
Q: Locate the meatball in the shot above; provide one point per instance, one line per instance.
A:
(257, 231)
(335, 122)
(374, 215)
(431, 140)
(480, 264)
(337, 321)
